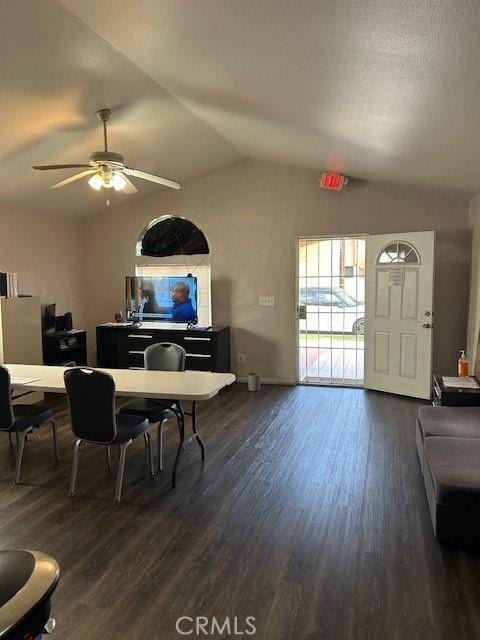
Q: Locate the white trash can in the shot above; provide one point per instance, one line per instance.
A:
(254, 382)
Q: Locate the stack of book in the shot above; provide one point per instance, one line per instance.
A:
(8, 285)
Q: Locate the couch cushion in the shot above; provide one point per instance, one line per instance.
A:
(454, 465)
(460, 422)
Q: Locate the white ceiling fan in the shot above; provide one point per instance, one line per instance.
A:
(107, 169)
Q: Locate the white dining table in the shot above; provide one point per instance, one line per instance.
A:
(191, 386)
(181, 385)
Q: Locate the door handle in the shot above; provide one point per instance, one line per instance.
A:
(427, 325)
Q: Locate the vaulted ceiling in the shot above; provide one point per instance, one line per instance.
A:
(384, 90)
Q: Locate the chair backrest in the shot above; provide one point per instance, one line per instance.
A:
(91, 398)
(165, 356)
(6, 411)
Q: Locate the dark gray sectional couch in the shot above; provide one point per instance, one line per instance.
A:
(448, 445)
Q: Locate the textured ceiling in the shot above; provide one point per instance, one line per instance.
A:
(382, 90)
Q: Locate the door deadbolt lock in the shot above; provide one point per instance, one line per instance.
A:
(428, 314)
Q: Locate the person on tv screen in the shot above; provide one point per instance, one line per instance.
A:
(147, 302)
(183, 310)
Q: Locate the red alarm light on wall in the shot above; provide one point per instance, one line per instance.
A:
(333, 181)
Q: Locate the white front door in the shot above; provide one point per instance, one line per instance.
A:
(399, 312)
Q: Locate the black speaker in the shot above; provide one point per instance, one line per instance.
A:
(59, 323)
(68, 321)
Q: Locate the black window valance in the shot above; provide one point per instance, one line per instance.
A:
(171, 236)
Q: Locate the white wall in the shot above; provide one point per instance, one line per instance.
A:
(474, 306)
(252, 214)
(47, 252)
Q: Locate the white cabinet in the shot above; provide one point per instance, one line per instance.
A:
(21, 335)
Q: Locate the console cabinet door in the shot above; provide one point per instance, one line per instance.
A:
(112, 351)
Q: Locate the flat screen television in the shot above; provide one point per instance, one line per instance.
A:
(162, 299)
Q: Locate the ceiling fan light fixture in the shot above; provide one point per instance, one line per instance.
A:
(96, 182)
(118, 182)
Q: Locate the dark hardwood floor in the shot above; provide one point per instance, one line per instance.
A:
(309, 515)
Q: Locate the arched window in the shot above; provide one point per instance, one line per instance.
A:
(173, 252)
(398, 253)
(171, 236)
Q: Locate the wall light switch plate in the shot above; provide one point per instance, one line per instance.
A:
(266, 301)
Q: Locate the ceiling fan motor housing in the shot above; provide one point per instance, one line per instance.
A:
(106, 157)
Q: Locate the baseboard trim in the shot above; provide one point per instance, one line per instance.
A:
(280, 381)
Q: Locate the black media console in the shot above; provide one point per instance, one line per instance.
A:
(120, 347)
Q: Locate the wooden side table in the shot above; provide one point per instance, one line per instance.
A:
(454, 396)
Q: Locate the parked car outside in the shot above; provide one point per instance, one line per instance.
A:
(331, 310)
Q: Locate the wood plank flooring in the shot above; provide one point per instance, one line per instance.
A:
(309, 515)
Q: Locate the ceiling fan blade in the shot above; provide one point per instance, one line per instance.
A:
(46, 167)
(77, 176)
(129, 187)
(152, 178)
